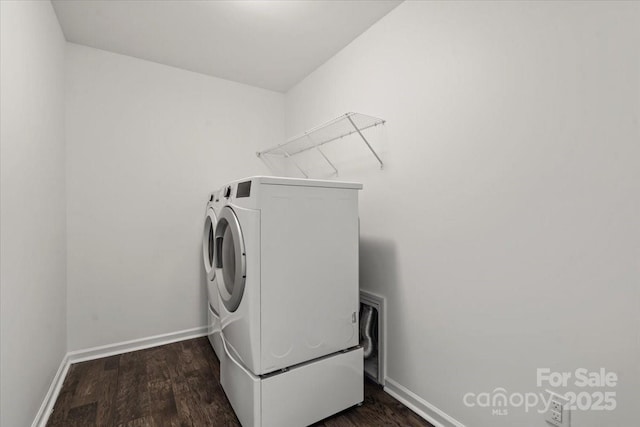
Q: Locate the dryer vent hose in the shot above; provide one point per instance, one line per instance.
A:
(366, 330)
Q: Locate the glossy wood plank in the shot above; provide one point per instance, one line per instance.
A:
(179, 385)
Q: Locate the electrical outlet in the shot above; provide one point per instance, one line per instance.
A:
(558, 413)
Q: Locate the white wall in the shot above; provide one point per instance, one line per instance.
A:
(145, 145)
(32, 214)
(504, 229)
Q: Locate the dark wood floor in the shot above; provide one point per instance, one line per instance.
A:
(178, 385)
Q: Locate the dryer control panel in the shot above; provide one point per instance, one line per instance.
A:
(244, 189)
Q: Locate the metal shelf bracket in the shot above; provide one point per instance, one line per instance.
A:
(336, 129)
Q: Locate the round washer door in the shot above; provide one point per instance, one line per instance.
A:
(208, 243)
(230, 259)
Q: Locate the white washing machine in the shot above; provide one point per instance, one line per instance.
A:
(213, 299)
(286, 261)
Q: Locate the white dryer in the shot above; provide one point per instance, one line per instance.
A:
(213, 299)
(286, 261)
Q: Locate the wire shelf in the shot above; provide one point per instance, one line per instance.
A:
(334, 130)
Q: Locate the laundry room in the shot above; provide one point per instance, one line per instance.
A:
(282, 213)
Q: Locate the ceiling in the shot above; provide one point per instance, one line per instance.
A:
(269, 44)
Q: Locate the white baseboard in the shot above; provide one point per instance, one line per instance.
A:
(104, 351)
(133, 345)
(420, 406)
(52, 394)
